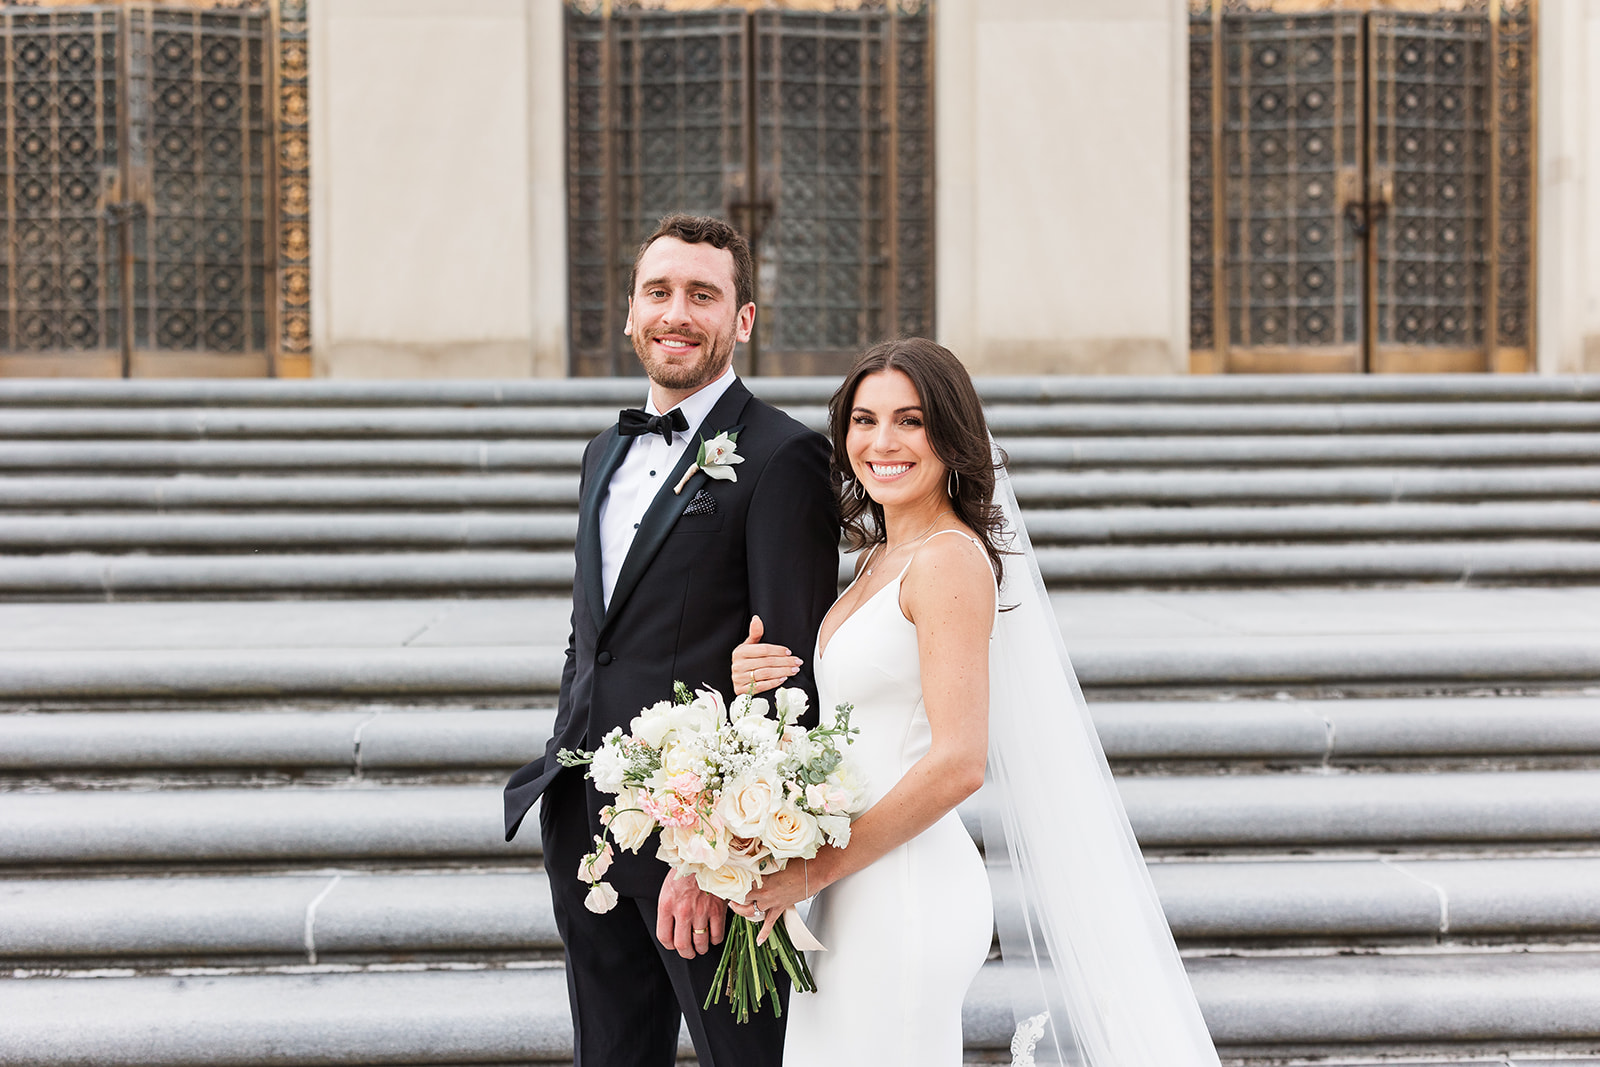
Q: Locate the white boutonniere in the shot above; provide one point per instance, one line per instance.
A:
(717, 457)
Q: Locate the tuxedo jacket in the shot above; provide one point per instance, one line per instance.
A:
(765, 544)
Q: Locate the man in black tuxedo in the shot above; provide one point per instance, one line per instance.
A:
(667, 581)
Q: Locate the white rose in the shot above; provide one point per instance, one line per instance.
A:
(836, 827)
(747, 852)
(730, 881)
(601, 899)
(704, 847)
(630, 828)
(791, 703)
(744, 806)
(791, 833)
(667, 846)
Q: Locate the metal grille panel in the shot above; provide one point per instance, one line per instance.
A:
(58, 273)
(810, 130)
(1292, 117)
(655, 126)
(202, 126)
(1430, 151)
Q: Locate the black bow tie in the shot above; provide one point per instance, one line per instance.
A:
(631, 422)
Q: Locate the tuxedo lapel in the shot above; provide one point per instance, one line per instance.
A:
(665, 509)
(589, 525)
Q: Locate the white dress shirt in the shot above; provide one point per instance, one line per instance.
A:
(640, 476)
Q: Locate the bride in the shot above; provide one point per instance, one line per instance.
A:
(946, 646)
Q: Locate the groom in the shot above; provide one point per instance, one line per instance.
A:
(667, 580)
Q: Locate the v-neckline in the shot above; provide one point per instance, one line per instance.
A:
(822, 649)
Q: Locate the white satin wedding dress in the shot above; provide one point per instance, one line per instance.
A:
(906, 935)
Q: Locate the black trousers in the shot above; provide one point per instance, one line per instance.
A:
(628, 991)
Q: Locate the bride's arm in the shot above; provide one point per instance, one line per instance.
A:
(949, 595)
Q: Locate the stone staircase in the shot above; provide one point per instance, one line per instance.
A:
(267, 651)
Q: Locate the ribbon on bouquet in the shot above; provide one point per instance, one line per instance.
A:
(799, 936)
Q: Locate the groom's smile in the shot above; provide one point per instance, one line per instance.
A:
(683, 316)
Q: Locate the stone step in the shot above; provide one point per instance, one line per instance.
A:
(1241, 663)
(1355, 485)
(462, 456)
(283, 917)
(440, 824)
(518, 1015)
(357, 740)
(1200, 389)
(372, 573)
(1415, 561)
(286, 532)
(1312, 450)
(141, 455)
(1057, 417)
(377, 738)
(311, 491)
(370, 822)
(1035, 490)
(1543, 520)
(1346, 731)
(485, 572)
(1351, 810)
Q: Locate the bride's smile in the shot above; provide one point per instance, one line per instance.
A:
(889, 448)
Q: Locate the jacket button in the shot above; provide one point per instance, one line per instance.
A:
(603, 658)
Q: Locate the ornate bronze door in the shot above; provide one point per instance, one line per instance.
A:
(809, 129)
(141, 223)
(1361, 179)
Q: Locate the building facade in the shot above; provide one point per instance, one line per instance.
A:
(453, 188)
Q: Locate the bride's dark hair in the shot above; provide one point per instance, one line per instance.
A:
(957, 433)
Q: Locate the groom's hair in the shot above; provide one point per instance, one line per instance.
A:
(703, 229)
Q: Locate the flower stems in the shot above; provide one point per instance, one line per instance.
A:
(747, 972)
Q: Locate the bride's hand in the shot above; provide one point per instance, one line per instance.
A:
(763, 666)
(777, 893)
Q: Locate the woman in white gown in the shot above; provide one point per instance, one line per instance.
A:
(906, 909)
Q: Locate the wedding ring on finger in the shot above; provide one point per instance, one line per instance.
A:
(758, 915)
(700, 933)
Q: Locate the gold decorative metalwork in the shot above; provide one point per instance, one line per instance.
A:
(1361, 185)
(294, 189)
(145, 229)
(807, 125)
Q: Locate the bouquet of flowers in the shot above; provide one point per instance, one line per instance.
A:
(735, 793)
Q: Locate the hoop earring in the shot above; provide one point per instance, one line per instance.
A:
(953, 483)
(858, 490)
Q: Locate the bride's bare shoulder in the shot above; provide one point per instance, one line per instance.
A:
(950, 569)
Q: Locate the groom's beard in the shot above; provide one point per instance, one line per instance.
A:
(716, 354)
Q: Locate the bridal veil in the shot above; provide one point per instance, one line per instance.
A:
(1089, 963)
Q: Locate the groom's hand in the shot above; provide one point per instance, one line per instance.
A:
(687, 919)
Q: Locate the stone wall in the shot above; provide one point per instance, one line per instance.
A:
(1063, 237)
(1569, 187)
(439, 180)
